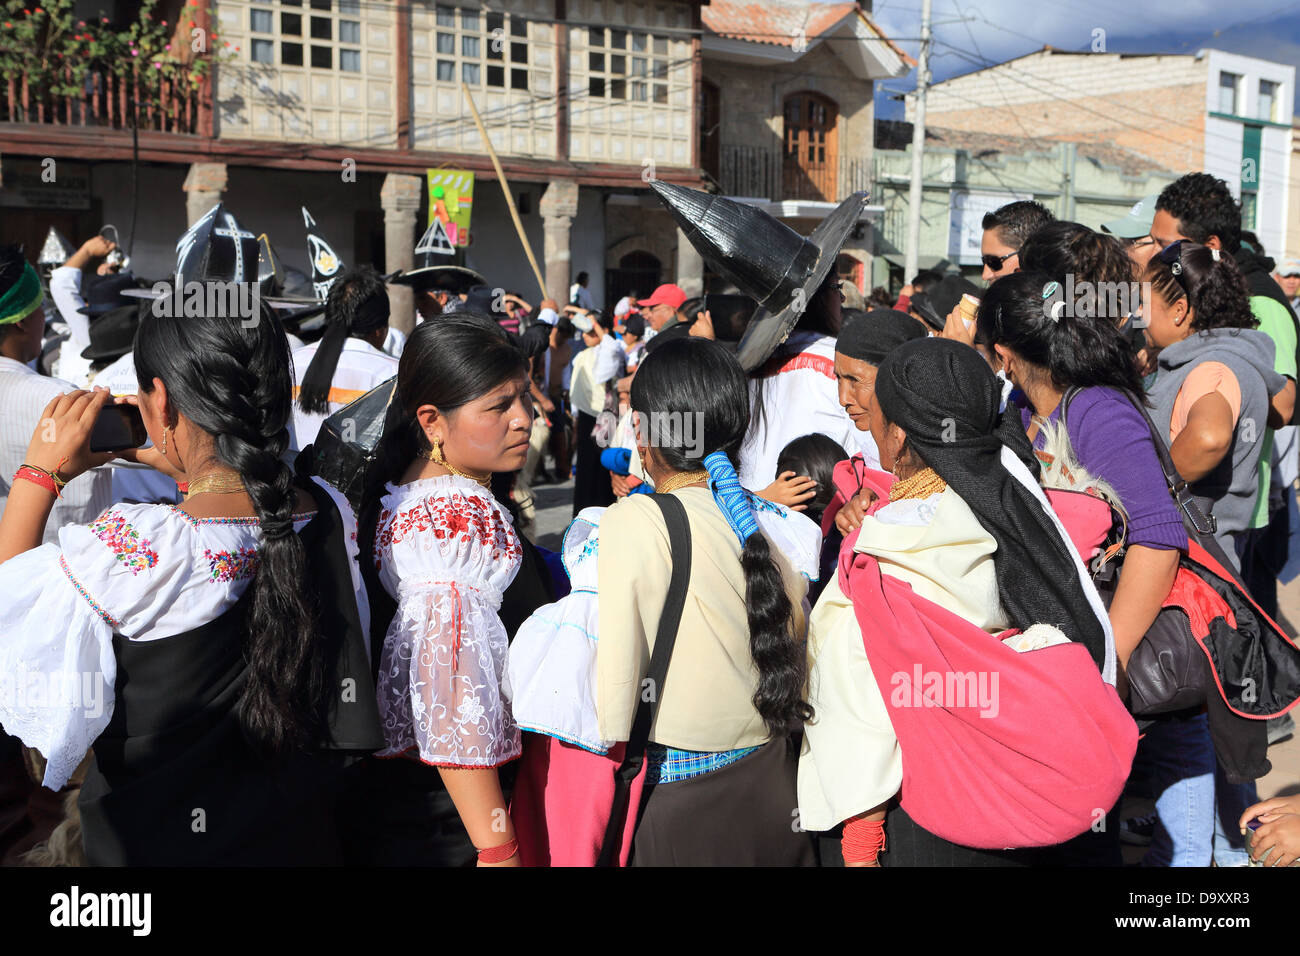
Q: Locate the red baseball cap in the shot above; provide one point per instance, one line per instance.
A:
(667, 294)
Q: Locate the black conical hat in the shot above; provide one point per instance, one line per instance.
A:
(217, 249)
(326, 265)
(765, 258)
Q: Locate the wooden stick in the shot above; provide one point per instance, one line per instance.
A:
(505, 188)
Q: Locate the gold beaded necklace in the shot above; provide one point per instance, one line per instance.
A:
(435, 455)
(923, 484)
(680, 480)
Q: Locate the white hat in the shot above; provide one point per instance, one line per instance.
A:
(548, 316)
(582, 323)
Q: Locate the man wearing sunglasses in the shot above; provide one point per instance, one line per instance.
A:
(1005, 231)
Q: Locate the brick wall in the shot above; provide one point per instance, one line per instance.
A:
(1153, 105)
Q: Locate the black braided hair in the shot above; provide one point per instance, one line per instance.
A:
(234, 383)
(687, 376)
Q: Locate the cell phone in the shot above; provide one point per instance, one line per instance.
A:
(730, 313)
(118, 427)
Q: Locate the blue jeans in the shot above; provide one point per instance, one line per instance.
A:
(1179, 759)
(1197, 808)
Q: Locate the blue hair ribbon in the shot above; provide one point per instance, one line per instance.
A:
(724, 483)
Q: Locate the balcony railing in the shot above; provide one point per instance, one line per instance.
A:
(105, 100)
(761, 172)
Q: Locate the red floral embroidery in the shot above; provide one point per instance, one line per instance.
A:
(450, 517)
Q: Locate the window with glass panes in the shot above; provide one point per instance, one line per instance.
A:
(1267, 100)
(627, 65)
(321, 34)
(1229, 90)
(480, 47)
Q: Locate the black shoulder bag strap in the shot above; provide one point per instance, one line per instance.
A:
(679, 546)
(1193, 516)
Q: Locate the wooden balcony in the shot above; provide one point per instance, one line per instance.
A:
(760, 172)
(107, 101)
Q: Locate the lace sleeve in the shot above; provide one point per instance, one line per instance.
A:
(57, 667)
(440, 678)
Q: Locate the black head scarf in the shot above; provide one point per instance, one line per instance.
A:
(870, 336)
(943, 394)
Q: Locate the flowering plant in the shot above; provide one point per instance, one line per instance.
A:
(45, 42)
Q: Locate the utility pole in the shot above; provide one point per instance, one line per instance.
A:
(912, 253)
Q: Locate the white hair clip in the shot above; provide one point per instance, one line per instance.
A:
(1058, 309)
(1215, 254)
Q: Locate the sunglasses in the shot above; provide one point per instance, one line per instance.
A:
(995, 262)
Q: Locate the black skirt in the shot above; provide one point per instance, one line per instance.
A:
(909, 844)
(744, 814)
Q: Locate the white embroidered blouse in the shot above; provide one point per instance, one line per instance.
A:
(144, 571)
(445, 550)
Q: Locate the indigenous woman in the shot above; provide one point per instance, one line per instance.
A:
(1008, 743)
(198, 650)
(721, 765)
(442, 552)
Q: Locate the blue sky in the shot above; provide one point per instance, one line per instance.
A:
(974, 33)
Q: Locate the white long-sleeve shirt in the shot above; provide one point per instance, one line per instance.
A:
(65, 290)
(23, 396)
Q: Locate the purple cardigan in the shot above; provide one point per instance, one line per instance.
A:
(1112, 441)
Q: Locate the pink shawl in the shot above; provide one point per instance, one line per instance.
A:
(1042, 766)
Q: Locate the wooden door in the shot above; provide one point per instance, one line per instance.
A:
(810, 156)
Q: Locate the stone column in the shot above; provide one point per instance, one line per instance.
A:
(558, 207)
(400, 197)
(690, 267)
(204, 184)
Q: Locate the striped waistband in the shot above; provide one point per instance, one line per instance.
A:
(666, 764)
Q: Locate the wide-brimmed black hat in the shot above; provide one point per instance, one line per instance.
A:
(455, 279)
(765, 258)
(105, 293)
(935, 305)
(432, 270)
(112, 335)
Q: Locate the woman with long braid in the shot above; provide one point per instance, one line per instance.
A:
(237, 617)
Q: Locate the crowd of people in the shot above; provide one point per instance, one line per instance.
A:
(861, 580)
